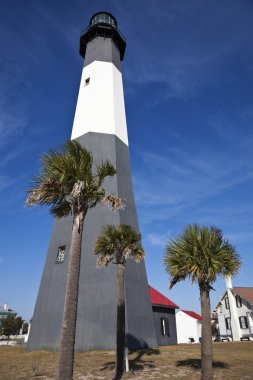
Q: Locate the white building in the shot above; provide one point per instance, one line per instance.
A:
(5, 311)
(235, 313)
(188, 326)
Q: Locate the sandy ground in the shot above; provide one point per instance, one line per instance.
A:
(232, 360)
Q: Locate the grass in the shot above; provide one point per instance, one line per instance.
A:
(233, 360)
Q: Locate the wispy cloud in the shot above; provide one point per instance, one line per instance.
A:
(192, 175)
(197, 50)
(189, 178)
(241, 237)
(25, 50)
(11, 156)
(13, 121)
(5, 182)
(13, 106)
(157, 239)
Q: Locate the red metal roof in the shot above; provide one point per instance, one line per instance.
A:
(158, 299)
(193, 314)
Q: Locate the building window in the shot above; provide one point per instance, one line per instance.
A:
(228, 323)
(60, 254)
(238, 301)
(243, 322)
(226, 302)
(86, 82)
(165, 326)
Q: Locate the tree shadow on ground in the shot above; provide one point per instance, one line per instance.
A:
(196, 364)
(140, 347)
(135, 364)
(117, 377)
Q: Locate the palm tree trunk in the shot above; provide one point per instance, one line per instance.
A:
(120, 349)
(68, 331)
(206, 345)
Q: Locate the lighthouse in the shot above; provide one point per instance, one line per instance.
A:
(100, 126)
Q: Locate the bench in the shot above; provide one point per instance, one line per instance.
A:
(223, 339)
(244, 338)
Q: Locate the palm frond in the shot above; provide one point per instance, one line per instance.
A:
(105, 169)
(68, 175)
(118, 243)
(61, 210)
(200, 253)
(113, 201)
(44, 191)
(174, 280)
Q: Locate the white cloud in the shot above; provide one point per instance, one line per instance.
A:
(11, 156)
(13, 107)
(12, 123)
(5, 182)
(188, 178)
(157, 239)
(194, 182)
(195, 50)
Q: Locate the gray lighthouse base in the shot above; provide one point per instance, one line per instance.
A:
(97, 302)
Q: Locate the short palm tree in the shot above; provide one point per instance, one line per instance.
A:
(201, 254)
(117, 244)
(70, 186)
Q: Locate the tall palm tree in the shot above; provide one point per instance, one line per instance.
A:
(201, 254)
(117, 244)
(70, 184)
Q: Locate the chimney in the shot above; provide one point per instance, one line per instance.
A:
(228, 282)
(6, 306)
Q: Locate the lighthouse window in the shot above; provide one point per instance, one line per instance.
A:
(87, 81)
(60, 254)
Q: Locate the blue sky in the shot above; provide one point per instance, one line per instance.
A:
(188, 79)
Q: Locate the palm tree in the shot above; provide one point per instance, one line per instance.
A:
(117, 244)
(202, 254)
(70, 186)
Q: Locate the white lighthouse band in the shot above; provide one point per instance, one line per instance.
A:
(100, 106)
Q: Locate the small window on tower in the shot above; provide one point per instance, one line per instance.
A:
(60, 254)
(86, 82)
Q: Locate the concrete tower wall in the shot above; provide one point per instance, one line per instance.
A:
(100, 126)
(96, 323)
(104, 50)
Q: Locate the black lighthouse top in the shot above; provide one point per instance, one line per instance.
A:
(103, 24)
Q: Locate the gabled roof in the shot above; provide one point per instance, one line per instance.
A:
(244, 293)
(193, 314)
(221, 298)
(159, 299)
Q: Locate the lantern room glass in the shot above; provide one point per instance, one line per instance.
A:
(103, 18)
